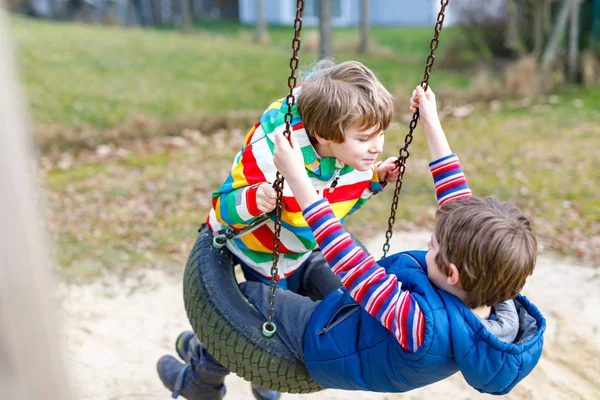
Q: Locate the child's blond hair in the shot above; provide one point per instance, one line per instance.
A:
(337, 96)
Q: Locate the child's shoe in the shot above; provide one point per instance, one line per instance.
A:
(187, 343)
(184, 345)
(189, 347)
(187, 381)
(200, 378)
(262, 393)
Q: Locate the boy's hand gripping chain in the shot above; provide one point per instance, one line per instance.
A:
(404, 153)
(269, 327)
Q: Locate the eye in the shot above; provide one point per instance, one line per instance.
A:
(363, 139)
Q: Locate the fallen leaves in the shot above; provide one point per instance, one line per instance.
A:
(138, 203)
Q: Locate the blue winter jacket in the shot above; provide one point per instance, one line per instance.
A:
(347, 348)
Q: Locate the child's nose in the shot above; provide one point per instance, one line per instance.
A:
(377, 146)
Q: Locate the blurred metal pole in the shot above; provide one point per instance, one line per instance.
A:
(30, 360)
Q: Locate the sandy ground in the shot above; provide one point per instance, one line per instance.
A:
(115, 330)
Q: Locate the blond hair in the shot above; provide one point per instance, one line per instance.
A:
(492, 245)
(337, 96)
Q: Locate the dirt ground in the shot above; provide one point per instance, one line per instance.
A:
(116, 329)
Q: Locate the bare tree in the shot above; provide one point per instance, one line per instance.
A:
(261, 26)
(557, 31)
(595, 24)
(538, 26)
(513, 39)
(186, 15)
(547, 17)
(365, 27)
(325, 44)
(573, 63)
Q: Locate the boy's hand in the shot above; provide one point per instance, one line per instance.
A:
(266, 197)
(436, 139)
(388, 171)
(290, 163)
(288, 158)
(426, 103)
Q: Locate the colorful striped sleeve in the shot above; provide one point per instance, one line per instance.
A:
(376, 186)
(380, 294)
(449, 180)
(235, 201)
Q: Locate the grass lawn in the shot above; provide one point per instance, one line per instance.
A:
(118, 204)
(81, 76)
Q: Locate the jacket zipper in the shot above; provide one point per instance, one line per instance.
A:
(334, 183)
(331, 325)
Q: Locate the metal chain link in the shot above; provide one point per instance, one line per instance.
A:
(404, 153)
(279, 181)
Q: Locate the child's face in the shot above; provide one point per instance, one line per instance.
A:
(360, 147)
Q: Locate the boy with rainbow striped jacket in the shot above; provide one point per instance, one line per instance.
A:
(339, 119)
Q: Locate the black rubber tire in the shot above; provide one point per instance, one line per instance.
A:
(230, 327)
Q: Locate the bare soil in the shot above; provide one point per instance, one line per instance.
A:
(116, 329)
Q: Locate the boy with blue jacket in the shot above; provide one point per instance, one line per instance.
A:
(416, 317)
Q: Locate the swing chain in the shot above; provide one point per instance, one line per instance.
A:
(404, 153)
(279, 181)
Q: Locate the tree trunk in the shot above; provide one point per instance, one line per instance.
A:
(547, 17)
(595, 19)
(365, 27)
(144, 12)
(325, 44)
(201, 9)
(186, 15)
(555, 35)
(261, 26)
(538, 26)
(13, 5)
(512, 38)
(573, 63)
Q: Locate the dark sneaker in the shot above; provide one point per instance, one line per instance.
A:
(262, 393)
(187, 381)
(184, 345)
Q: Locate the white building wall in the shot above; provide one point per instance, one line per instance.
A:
(383, 12)
(275, 11)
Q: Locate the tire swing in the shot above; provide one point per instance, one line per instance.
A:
(231, 330)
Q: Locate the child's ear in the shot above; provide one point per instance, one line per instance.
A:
(323, 142)
(453, 277)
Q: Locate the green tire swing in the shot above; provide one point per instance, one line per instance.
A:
(234, 331)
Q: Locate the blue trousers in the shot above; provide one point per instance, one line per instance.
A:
(313, 278)
(312, 282)
(292, 312)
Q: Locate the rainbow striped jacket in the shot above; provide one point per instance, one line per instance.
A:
(234, 203)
